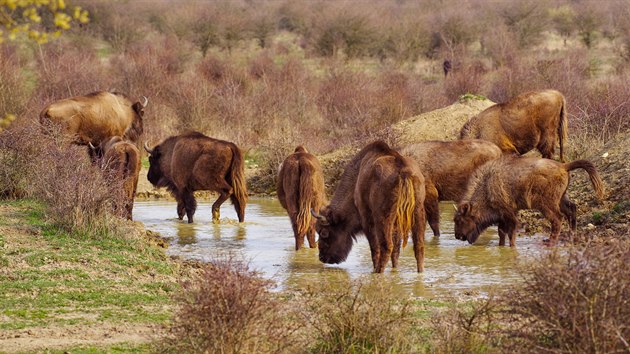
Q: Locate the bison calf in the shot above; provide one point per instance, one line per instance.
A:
(300, 189)
(530, 120)
(381, 194)
(192, 161)
(446, 167)
(120, 162)
(500, 188)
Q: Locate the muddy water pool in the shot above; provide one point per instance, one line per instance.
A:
(265, 240)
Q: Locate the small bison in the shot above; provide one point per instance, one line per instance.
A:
(380, 193)
(192, 161)
(500, 188)
(301, 189)
(446, 167)
(528, 121)
(120, 162)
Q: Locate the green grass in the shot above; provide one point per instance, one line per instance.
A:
(60, 278)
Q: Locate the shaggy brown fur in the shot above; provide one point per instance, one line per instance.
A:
(192, 161)
(500, 188)
(121, 164)
(446, 166)
(300, 189)
(96, 117)
(381, 194)
(528, 121)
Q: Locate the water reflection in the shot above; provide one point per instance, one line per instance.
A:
(266, 242)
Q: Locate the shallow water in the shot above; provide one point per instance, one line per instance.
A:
(266, 241)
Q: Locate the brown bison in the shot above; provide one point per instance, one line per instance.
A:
(120, 162)
(446, 167)
(500, 188)
(192, 161)
(300, 189)
(528, 121)
(96, 117)
(381, 194)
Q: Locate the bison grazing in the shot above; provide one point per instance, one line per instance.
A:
(191, 162)
(300, 189)
(528, 121)
(120, 162)
(500, 188)
(446, 167)
(381, 194)
(96, 117)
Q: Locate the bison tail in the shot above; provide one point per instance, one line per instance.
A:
(587, 166)
(306, 201)
(563, 134)
(237, 176)
(404, 207)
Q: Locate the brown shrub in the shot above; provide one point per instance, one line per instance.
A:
(227, 308)
(575, 302)
(13, 93)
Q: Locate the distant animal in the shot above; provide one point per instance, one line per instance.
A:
(96, 117)
(120, 162)
(301, 188)
(502, 187)
(192, 161)
(446, 167)
(447, 66)
(530, 120)
(381, 194)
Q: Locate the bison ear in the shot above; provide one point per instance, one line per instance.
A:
(465, 208)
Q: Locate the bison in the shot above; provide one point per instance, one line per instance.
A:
(528, 121)
(446, 167)
(502, 187)
(380, 193)
(300, 189)
(96, 117)
(192, 161)
(120, 162)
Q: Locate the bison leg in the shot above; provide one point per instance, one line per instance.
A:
(299, 239)
(569, 209)
(181, 210)
(417, 236)
(502, 234)
(190, 204)
(310, 235)
(396, 245)
(507, 227)
(546, 147)
(554, 215)
(224, 194)
(432, 207)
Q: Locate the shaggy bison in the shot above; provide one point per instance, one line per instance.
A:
(300, 189)
(500, 188)
(191, 162)
(97, 117)
(528, 121)
(120, 162)
(380, 193)
(446, 167)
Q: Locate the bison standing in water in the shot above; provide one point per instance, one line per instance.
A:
(191, 162)
(301, 189)
(446, 167)
(528, 121)
(500, 188)
(96, 117)
(381, 194)
(120, 162)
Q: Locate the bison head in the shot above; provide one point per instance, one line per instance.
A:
(466, 225)
(335, 239)
(155, 171)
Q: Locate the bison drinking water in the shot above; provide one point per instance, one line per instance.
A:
(381, 194)
(446, 167)
(300, 189)
(191, 162)
(528, 121)
(120, 162)
(500, 188)
(97, 117)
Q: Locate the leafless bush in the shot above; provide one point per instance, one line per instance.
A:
(359, 318)
(468, 79)
(227, 308)
(13, 93)
(575, 302)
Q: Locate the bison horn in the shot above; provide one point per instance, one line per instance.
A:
(91, 146)
(146, 100)
(146, 147)
(455, 207)
(322, 219)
